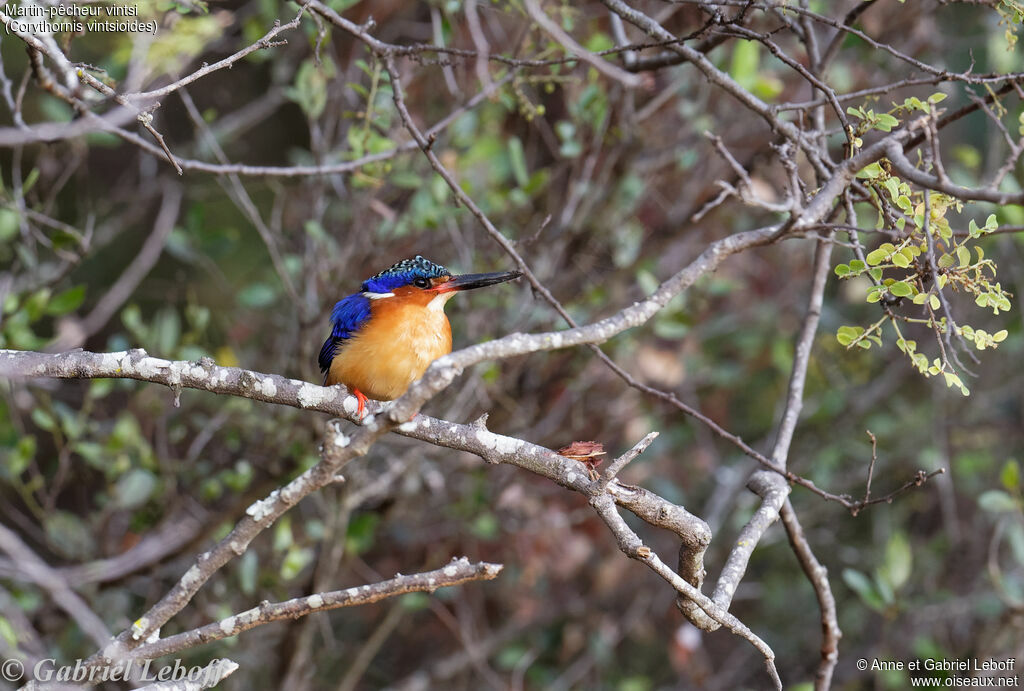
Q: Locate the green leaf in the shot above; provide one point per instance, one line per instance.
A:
(901, 288)
(848, 334)
(964, 255)
(248, 571)
(953, 380)
(414, 602)
(895, 570)
(842, 270)
(865, 589)
(746, 57)
(8, 635)
(885, 591)
(295, 561)
(92, 452)
(871, 171)
(35, 305)
(19, 458)
(510, 656)
(916, 104)
(881, 254)
(311, 87)
(166, 330)
(485, 526)
(877, 256)
(906, 346)
(43, 420)
(900, 260)
(857, 265)
(571, 146)
(361, 533)
(8, 225)
(517, 161)
(885, 123)
(997, 501)
(69, 535)
(257, 296)
(30, 181)
(134, 488)
(1010, 476)
(66, 302)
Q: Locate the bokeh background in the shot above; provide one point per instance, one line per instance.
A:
(597, 186)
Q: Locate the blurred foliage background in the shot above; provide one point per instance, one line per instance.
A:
(119, 487)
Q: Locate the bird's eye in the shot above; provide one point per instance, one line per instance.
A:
(421, 282)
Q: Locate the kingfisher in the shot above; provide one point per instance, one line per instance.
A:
(384, 337)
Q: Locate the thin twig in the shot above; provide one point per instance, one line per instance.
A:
(628, 80)
(818, 576)
(871, 466)
(619, 463)
(457, 572)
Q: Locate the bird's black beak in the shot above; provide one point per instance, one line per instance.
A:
(471, 281)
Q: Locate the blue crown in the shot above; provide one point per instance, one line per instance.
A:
(404, 273)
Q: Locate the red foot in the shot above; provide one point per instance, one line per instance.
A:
(361, 410)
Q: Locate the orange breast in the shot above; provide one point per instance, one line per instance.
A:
(403, 336)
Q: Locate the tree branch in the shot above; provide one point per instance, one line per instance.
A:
(459, 571)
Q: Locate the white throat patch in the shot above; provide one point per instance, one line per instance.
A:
(438, 301)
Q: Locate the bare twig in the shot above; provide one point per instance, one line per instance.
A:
(145, 117)
(628, 80)
(632, 546)
(459, 571)
(265, 42)
(804, 345)
(619, 463)
(871, 465)
(818, 576)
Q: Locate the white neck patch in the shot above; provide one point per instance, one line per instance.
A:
(378, 296)
(438, 301)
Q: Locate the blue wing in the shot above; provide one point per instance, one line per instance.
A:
(348, 315)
